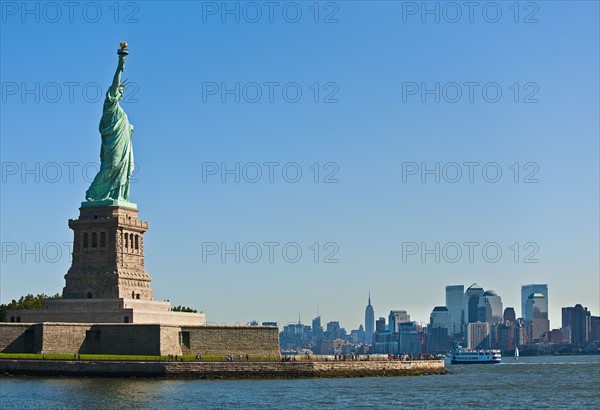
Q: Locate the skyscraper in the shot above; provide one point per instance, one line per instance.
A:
(440, 317)
(536, 309)
(454, 303)
(332, 330)
(489, 308)
(519, 333)
(528, 290)
(369, 322)
(478, 335)
(471, 303)
(510, 315)
(380, 325)
(595, 330)
(396, 317)
(317, 330)
(578, 320)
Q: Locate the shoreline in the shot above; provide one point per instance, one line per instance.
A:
(220, 370)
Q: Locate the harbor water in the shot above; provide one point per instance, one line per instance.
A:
(552, 382)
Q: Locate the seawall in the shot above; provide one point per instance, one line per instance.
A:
(138, 339)
(220, 370)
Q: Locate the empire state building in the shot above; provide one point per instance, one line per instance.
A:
(369, 322)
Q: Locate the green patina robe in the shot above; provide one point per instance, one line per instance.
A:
(116, 154)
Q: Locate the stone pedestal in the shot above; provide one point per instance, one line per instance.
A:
(108, 255)
(107, 281)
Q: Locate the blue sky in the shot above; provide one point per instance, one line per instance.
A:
(364, 130)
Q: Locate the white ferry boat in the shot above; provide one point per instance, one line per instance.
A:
(466, 356)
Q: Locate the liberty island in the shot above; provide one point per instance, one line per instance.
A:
(107, 304)
(107, 309)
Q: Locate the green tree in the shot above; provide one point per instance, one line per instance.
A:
(184, 309)
(26, 302)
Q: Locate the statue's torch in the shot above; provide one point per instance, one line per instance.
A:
(123, 52)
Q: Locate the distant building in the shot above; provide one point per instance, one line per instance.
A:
(397, 317)
(406, 339)
(478, 335)
(567, 334)
(595, 333)
(577, 320)
(294, 336)
(528, 290)
(369, 322)
(520, 336)
(556, 336)
(380, 325)
(471, 303)
(385, 342)
(438, 340)
(506, 331)
(440, 317)
(410, 340)
(357, 336)
(454, 303)
(341, 346)
(494, 341)
(439, 330)
(361, 334)
(317, 330)
(506, 336)
(489, 307)
(332, 330)
(509, 315)
(324, 347)
(536, 317)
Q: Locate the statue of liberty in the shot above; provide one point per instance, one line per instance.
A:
(111, 184)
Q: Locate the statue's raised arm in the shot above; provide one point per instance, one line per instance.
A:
(123, 53)
(117, 87)
(120, 67)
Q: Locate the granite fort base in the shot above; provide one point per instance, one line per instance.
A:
(138, 339)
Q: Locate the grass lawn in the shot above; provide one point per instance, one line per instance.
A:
(187, 358)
